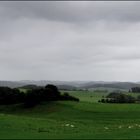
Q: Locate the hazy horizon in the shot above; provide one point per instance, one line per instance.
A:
(70, 41)
(84, 81)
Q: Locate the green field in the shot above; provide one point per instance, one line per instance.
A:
(84, 119)
(88, 96)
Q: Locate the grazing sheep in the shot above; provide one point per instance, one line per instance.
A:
(67, 124)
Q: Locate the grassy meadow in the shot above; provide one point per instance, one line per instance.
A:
(67, 119)
(88, 96)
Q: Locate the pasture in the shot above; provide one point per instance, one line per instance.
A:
(88, 96)
(67, 119)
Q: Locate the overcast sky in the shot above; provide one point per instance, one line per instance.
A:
(70, 40)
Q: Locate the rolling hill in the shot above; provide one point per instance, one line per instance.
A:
(73, 85)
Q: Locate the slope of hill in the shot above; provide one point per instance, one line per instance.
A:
(117, 85)
(11, 84)
(72, 85)
(65, 120)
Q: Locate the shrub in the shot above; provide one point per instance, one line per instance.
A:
(135, 89)
(32, 97)
(115, 97)
(103, 100)
(10, 96)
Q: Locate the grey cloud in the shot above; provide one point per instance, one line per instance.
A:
(73, 11)
(69, 40)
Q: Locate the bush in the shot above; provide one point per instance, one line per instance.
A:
(103, 100)
(32, 97)
(10, 96)
(135, 89)
(115, 97)
(67, 97)
(49, 93)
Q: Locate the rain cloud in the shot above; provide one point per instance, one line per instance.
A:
(73, 40)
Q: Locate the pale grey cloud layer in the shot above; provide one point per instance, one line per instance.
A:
(70, 40)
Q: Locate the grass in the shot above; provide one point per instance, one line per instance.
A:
(55, 120)
(22, 90)
(88, 96)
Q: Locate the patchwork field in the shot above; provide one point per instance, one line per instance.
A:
(67, 120)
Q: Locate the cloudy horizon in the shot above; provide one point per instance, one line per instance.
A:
(67, 41)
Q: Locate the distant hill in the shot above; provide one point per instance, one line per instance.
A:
(66, 87)
(117, 85)
(72, 85)
(30, 87)
(11, 84)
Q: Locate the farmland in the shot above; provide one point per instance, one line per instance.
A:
(67, 119)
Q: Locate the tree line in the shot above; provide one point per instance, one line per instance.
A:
(33, 96)
(118, 97)
(135, 90)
